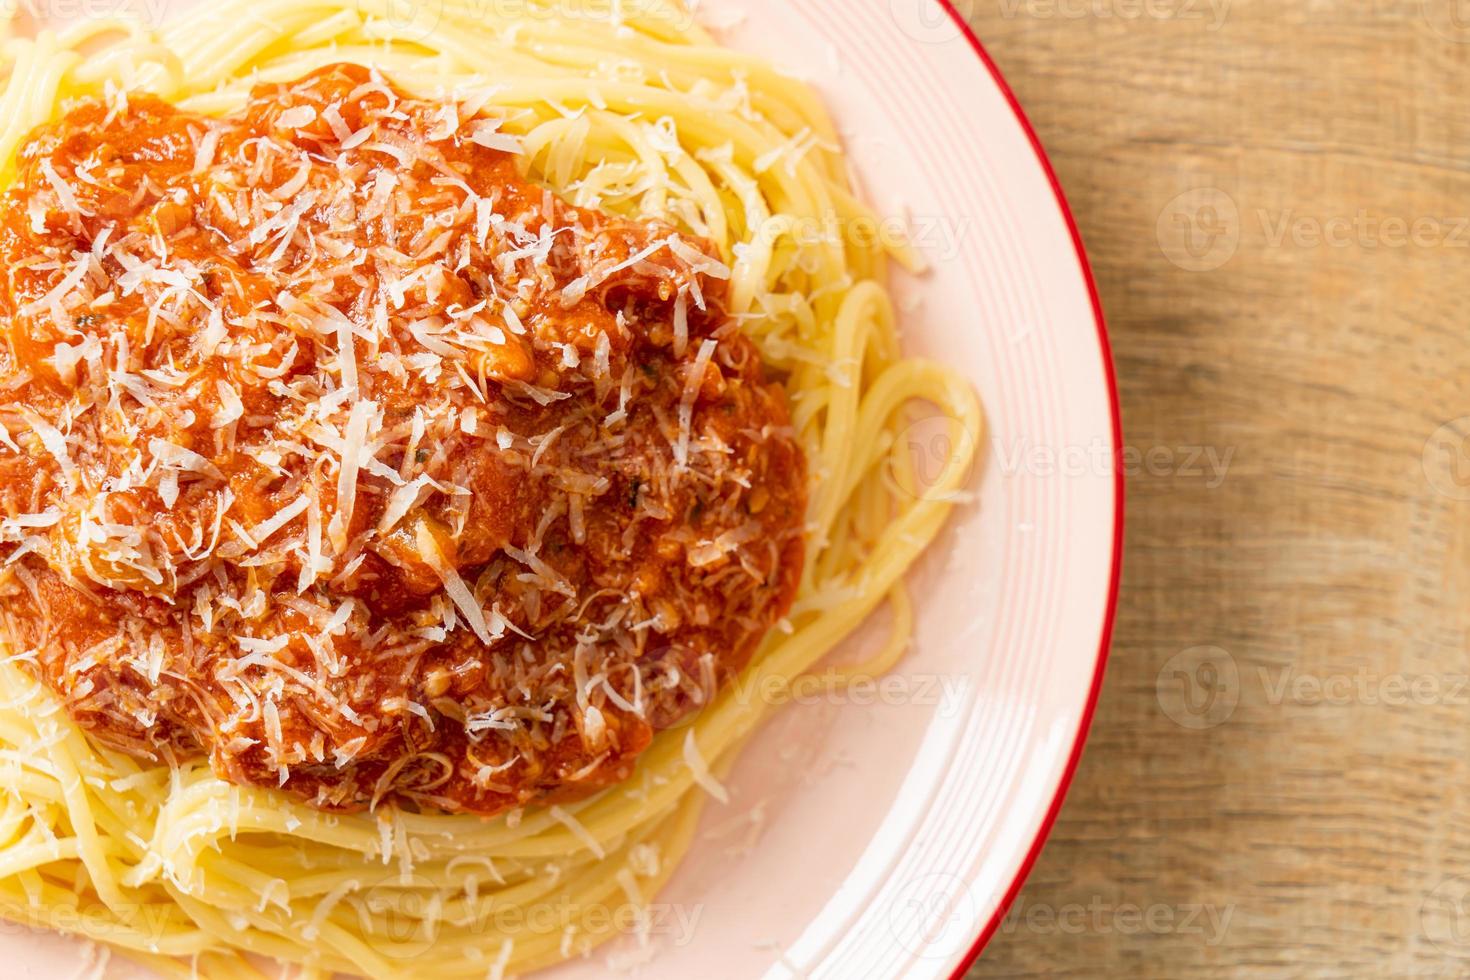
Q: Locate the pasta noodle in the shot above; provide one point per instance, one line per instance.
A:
(629, 106)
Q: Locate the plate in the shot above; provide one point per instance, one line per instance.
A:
(883, 832)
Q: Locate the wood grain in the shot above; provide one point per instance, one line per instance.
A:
(1313, 819)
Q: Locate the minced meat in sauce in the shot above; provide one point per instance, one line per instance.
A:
(337, 450)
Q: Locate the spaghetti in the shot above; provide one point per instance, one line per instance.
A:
(629, 110)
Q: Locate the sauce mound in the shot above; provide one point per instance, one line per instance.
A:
(338, 451)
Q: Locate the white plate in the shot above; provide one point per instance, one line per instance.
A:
(895, 832)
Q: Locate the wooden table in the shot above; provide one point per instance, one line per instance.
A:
(1276, 198)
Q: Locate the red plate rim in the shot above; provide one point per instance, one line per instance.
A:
(1106, 352)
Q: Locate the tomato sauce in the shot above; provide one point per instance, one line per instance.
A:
(342, 453)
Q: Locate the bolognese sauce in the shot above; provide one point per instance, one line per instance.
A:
(337, 450)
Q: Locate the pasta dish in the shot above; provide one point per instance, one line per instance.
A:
(418, 441)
